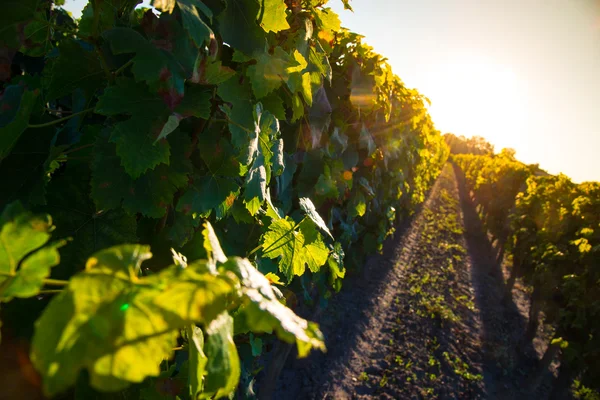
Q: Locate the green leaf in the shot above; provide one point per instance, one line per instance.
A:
(212, 73)
(239, 28)
(327, 187)
(209, 193)
(259, 174)
(38, 34)
(197, 360)
(195, 103)
(10, 133)
(357, 206)
(75, 216)
(366, 141)
(24, 252)
(30, 166)
(168, 128)
(264, 313)
(118, 325)
(270, 71)
(218, 154)
(336, 266)
(137, 147)
(273, 16)
(129, 97)
(193, 23)
(278, 157)
(15, 14)
(256, 185)
(149, 62)
(297, 246)
(315, 250)
(327, 20)
(151, 192)
(297, 108)
(223, 366)
(241, 115)
(77, 66)
(274, 105)
(309, 208)
(212, 245)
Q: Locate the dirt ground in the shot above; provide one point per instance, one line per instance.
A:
(425, 319)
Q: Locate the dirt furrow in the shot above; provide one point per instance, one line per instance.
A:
(423, 320)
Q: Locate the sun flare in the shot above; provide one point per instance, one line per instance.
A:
(471, 93)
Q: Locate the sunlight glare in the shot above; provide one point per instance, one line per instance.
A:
(478, 97)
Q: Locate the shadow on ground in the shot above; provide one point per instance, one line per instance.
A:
(508, 362)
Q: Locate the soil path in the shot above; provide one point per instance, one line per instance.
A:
(423, 320)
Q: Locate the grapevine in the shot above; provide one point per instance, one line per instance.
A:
(131, 139)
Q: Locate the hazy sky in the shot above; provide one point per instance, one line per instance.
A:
(522, 73)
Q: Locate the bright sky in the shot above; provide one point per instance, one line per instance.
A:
(521, 73)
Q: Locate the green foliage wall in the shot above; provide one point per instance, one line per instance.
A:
(284, 130)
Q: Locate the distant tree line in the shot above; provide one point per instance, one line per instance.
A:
(473, 145)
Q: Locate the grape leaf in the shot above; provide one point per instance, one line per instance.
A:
(274, 105)
(10, 133)
(256, 185)
(366, 141)
(240, 115)
(309, 208)
(278, 157)
(270, 71)
(223, 366)
(75, 216)
(212, 245)
(239, 28)
(196, 102)
(38, 34)
(273, 16)
(218, 154)
(169, 127)
(193, 23)
(211, 73)
(259, 174)
(137, 147)
(357, 206)
(296, 245)
(264, 313)
(150, 64)
(151, 192)
(327, 21)
(327, 187)
(209, 193)
(117, 318)
(25, 254)
(129, 97)
(77, 66)
(197, 360)
(15, 14)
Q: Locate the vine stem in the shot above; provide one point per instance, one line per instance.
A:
(85, 146)
(50, 291)
(49, 282)
(281, 237)
(177, 348)
(123, 67)
(226, 119)
(58, 121)
(55, 282)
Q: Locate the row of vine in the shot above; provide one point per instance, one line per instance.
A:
(554, 241)
(286, 132)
